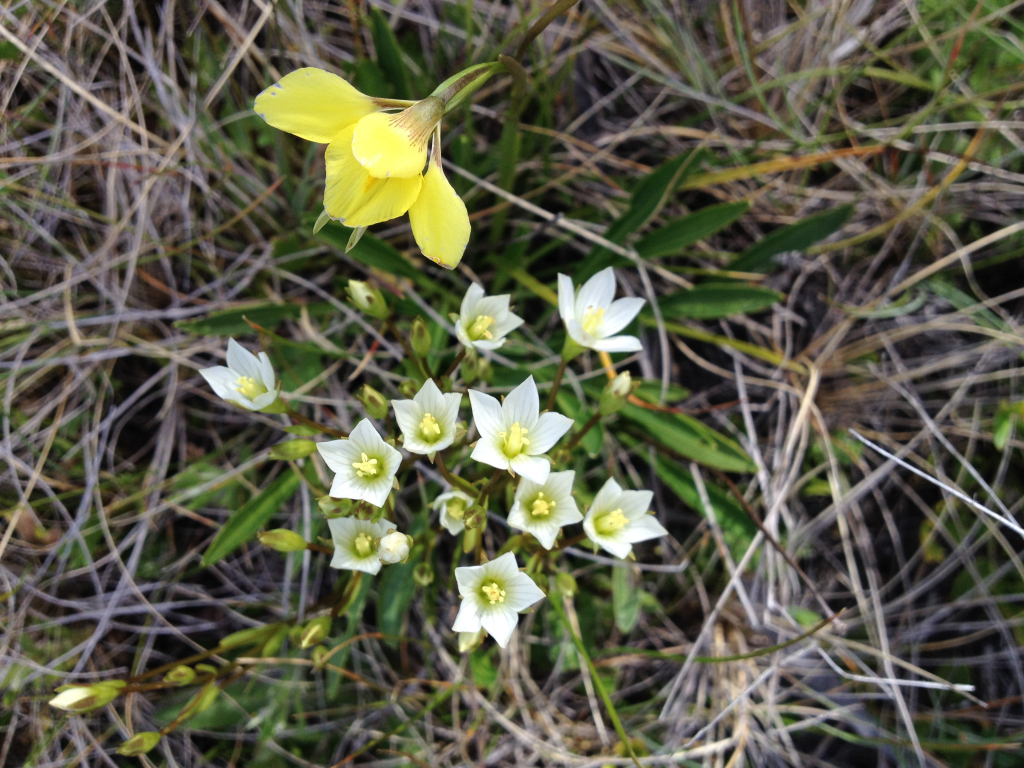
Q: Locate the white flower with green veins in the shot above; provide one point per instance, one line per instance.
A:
(493, 594)
(247, 381)
(364, 465)
(618, 519)
(428, 420)
(354, 540)
(485, 321)
(542, 509)
(592, 317)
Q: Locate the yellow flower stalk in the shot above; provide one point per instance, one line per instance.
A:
(376, 156)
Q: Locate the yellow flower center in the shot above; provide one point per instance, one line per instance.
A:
(478, 330)
(515, 440)
(593, 319)
(542, 507)
(493, 592)
(430, 430)
(611, 522)
(363, 544)
(455, 509)
(249, 388)
(367, 467)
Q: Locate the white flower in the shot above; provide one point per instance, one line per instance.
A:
(617, 519)
(247, 381)
(428, 420)
(514, 434)
(591, 317)
(453, 506)
(364, 464)
(353, 543)
(394, 547)
(492, 596)
(542, 509)
(485, 321)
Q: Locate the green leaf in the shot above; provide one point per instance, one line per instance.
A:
(625, 598)
(484, 671)
(231, 322)
(690, 438)
(676, 235)
(714, 300)
(9, 51)
(571, 407)
(253, 515)
(793, 237)
(374, 252)
(650, 390)
(397, 589)
(389, 54)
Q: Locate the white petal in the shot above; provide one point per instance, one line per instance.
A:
(607, 498)
(365, 437)
(377, 493)
(533, 467)
(469, 301)
(547, 431)
(469, 578)
(647, 527)
(566, 298)
(489, 345)
(487, 452)
(634, 504)
(506, 325)
(338, 454)
(450, 411)
(577, 334)
(347, 486)
(619, 315)
(522, 592)
(493, 306)
(267, 372)
(517, 517)
(429, 398)
(468, 618)
(618, 547)
(243, 361)
(597, 292)
(522, 405)
(461, 335)
(617, 344)
(560, 484)
(500, 624)
(545, 533)
(486, 413)
(222, 381)
(408, 414)
(503, 568)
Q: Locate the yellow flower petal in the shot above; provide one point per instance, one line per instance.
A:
(312, 104)
(395, 145)
(355, 197)
(439, 219)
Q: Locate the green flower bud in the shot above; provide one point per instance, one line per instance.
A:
(249, 636)
(139, 744)
(423, 574)
(616, 393)
(334, 507)
(419, 337)
(375, 404)
(367, 298)
(206, 669)
(274, 643)
(204, 699)
(83, 698)
(292, 450)
(314, 632)
(409, 388)
(566, 584)
(282, 540)
(468, 367)
(476, 518)
(319, 656)
(180, 675)
(484, 370)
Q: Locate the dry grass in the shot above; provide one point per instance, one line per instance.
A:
(139, 191)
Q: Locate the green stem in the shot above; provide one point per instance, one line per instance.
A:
(453, 480)
(499, 479)
(575, 440)
(553, 598)
(420, 362)
(296, 416)
(541, 24)
(455, 363)
(557, 382)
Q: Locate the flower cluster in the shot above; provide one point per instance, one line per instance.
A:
(512, 436)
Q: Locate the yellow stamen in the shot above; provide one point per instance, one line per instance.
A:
(478, 330)
(363, 544)
(429, 428)
(610, 522)
(593, 319)
(542, 507)
(493, 592)
(249, 388)
(367, 467)
(515, 440)
(456, 509)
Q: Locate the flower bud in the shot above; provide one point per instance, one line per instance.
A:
(469, 641)
(319, 656)
(484, 369)
(249, 636)
(468, 367)
(374, 402)
(394, 547)
(423, 574)
(314, 632)
(139, 744)
(409, 388)
(419, 337)
(82, 698)
(367, 298)
(202, 700)
(180, 675)
(334, 507)
(292, 450)
(566, 583)
(476, 518)
(616, 393)
(282, 540)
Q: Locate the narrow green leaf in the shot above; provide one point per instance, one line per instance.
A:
(389, 54)
(676, 235)
(396, 583)
(625, 598)
(715, 300)
(373, 252)
(793, 237)
(253, 515)
(690, 438)
(231, 322)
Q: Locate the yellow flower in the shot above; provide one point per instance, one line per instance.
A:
(375, 157)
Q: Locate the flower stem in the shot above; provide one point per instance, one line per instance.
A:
(420, 362)
(453, 480)
(296, 416)
(541, 24)
(497, 480)
(575, 439)
(557, 382)
(455, 363)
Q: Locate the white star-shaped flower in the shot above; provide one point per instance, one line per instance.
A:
(247, 381)
(364, 465)
(428, 420)
(354, 539)
(592, 318)
(493, 594)
(514, 434)
(453, 506)
(485, 321)
(542, 509)
(617, 519)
